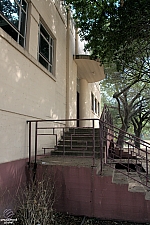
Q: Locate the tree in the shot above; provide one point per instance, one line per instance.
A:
(128, 105)
(142, 118)
(114, 30)
(118, 33)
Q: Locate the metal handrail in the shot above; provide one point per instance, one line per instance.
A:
(62, 128)
(107, 133)
(141, 155)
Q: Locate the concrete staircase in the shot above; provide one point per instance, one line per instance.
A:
(134, 180)
(84, 142)
(121, 153)
(79, 142)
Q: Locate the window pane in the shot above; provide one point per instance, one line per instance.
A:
(98, 108)
(95, 105)
(44, 32)
(8, 29)
(44, 47)
(51, 55)
(21, 41)
(11, 21)
(50, 69)
(92, 101)
(24, 5)
(1, 7)
(10, 9)
(23, 22)
(43, 62)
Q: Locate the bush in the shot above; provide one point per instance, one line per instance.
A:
(35, 202)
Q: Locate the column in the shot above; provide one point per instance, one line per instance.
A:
(84, 102)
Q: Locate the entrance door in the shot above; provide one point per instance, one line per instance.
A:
(78, 108)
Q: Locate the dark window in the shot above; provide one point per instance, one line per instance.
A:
(13, 18)
(46, 49)
(95, 105)
(98, 109)
(92, 102)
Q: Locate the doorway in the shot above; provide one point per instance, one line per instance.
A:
(78, 108)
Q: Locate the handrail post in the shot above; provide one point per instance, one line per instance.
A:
(101, 146)
(63, 142)
(93, 144)
(29, 163)
(35, 143)
(146, 166)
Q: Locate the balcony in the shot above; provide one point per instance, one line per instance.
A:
(89, 69)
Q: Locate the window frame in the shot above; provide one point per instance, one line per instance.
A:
(49, 61)
(18, 30)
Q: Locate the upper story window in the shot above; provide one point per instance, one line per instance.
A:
(92, 101)
(95, 105)
(13, 18)
(46, 49)
(98, 109)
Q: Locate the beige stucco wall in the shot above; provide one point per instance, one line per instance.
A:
(28, 91)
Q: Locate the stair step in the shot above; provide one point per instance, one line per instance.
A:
(74, 136)
(74, 148)
(134, 181)
(119, 178)
(134, 185)
(115, 156)
(117, 153)
(77, 145)
(147, 195)
(88, 130)
(75, 153)
(79, 142)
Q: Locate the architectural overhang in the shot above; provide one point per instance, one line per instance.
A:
(89, 69)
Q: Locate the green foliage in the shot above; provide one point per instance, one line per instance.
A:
(113, 29)
(130, 108)
(118, 32)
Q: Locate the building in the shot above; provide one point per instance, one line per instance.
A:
(44, 74)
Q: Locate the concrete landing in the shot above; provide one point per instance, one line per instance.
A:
(69, 161)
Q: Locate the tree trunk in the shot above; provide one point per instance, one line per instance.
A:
(121, 135)
(137, 139)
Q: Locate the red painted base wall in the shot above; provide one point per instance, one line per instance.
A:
(12, 177)
(80, 191)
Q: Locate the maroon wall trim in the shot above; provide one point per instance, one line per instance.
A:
(12, 177)
(80, 191)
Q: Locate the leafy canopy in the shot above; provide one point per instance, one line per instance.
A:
(114, 29)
